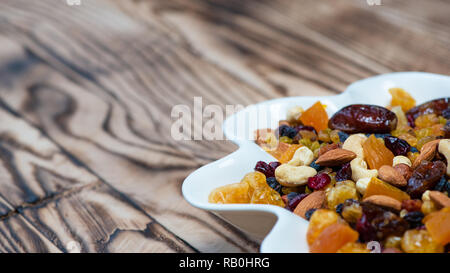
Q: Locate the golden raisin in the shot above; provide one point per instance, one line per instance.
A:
(419, 241)
(426, 121)
(341, 191)
(402, 98)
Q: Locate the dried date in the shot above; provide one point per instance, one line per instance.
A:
(363, 118)
(425, 177)
(437, 106)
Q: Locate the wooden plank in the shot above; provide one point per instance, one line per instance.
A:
(48, 201)
(97, 219)
(327, 43)
(114, 117)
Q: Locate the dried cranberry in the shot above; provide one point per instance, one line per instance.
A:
(267, 169)
(309, 213)
(414, 218)
(294, 199)
(264, 168)
(365, 229)
(344, 173)
(363, 118)
(436, 106)
(286, 130)
(396, 145)
(273, 183)
(319, 181)
(274, 165)
(425, 177)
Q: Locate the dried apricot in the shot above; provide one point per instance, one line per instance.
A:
(319, 220)
(378, 187)
(354, 248)
(377, 153)
(315, 116)
(438, 225)
(332, 238)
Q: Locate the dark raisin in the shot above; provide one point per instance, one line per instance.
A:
(446, 129)
(344, 173)
(315, 166)
(294, 199)
(362, 118)
(342, 136)
(414, 150)
(382, 135)
(273, 183)
(287, 131)
(446, 113)
(309, 213)
(396, 145)
(339, 208)
(442, 185)
(319, 181)
(425, 177)
(436, 106)
(414, 218)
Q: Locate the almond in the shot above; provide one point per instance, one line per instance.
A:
(427, 152)
(328, 148)
(440, 199)
(392, 176)
(335, 157)
(384, 201)
(404, 170)
(315, 200)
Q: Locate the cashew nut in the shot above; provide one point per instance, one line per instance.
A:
(426, 196)
(292, 176)
(401, 159)
(302, 157)
(361, 184)
(444, 149)
(354, 143)
(294, 113)
(359, 169)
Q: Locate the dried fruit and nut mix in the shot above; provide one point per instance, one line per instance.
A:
(367, 174)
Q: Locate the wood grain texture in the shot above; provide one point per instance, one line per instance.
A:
(86, 94)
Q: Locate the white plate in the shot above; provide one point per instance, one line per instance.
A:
(282, 230)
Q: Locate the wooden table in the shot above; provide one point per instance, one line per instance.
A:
(86, 94)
